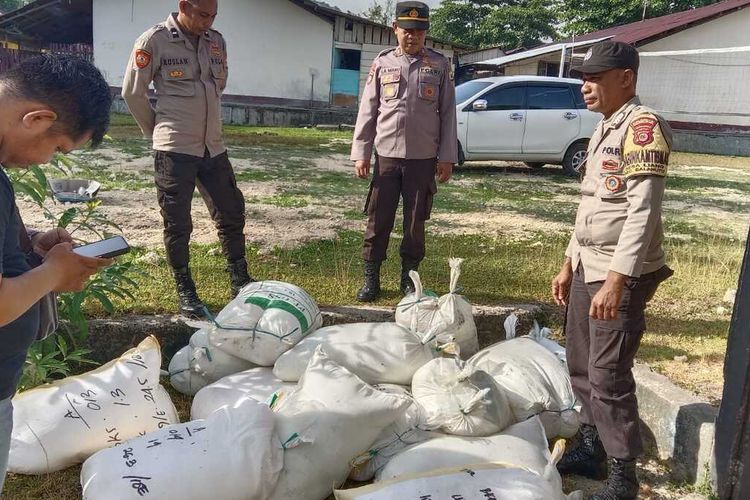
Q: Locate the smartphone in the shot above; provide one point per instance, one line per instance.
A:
(105, 249)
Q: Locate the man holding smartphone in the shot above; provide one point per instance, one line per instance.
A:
(48, 104)
(187, 62)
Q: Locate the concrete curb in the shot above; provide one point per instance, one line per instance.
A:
(677, 426)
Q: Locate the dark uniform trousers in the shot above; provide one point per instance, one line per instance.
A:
(412, 180)
(177, 176)
(600, 358)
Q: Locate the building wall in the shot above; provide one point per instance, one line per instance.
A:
(701, 90)
(275, 47)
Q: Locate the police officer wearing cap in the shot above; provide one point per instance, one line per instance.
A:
(407, 115)
(614, 263)
(187, 62)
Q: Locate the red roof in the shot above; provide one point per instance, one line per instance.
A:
(659, 27)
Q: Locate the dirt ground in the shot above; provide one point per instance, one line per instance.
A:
(136, 210)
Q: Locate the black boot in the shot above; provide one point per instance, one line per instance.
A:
(190, 305)
(407, 285)
(622, 483)
(371, 289)
(238, 275)
(588, 459)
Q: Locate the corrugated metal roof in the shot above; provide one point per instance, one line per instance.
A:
(658, 27)
(60, 21)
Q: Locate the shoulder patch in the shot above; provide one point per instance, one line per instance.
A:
(142, 58)
(645, 150)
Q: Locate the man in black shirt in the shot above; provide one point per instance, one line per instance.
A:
(48, 104)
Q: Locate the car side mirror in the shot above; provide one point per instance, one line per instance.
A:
(479, 105)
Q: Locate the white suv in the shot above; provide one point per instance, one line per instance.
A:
(534, 119)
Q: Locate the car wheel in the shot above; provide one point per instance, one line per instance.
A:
(534, 164)
(461, 157)
(574, 158)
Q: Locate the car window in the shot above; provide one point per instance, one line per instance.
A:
(504, 98)
(469, 89)
(548, 97)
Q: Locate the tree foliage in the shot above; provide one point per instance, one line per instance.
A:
(381, 11)
(525, 23)
(488, 23)
(585, 16)
(9, 5)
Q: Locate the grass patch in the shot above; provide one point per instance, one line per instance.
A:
(283, 201)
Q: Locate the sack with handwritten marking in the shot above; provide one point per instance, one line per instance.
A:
(232, 455)
(266, 319)
(61, 424)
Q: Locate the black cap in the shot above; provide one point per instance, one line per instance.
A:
(608, 55)
(413, 15)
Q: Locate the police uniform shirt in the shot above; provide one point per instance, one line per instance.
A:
(618, 226)
(188, 81)
(408, 108)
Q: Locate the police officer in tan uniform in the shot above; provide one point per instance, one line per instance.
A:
(187, 62)
(614, 264)
(408, 116)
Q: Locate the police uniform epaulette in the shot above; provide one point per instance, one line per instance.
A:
(434, 52)
(386, 51)
(146, 36)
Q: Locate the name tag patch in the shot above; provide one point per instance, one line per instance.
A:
(429, 70)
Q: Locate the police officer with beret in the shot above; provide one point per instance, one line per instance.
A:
(408, 116)
(614, 263)
(187, 62)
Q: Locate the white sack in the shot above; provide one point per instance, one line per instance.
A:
(406, 430)
(257, 383)
(534, 381)
(478, 482)
(378, 353)
(449, 315)
(61, 424)
(460, 399)
(521, 445)
(232, 455)
(266, 319)
(199, 364)
(324, 424)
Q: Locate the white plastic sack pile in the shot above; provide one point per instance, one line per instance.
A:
(198, 364)
(324, 424)
(406, 430)
(451, 314)
(539, 335)
(232, 455)
(257, 383)
(61, 424)
(266, 319)
(522, 445)
(481, 481)
(534, 381)
(378, 353)
(460, 399)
